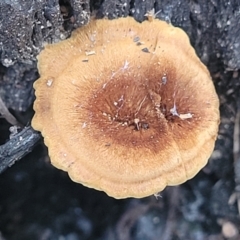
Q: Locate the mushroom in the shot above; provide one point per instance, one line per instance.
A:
(126, 107)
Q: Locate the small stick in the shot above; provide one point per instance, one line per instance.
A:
(7, 115)
(236, 155)
(17, 147)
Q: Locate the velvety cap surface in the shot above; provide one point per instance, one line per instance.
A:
(126, 107)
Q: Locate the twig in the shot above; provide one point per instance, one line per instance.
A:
(128, 219)
(171, 222)
(236, 154)
(7, 115)
(17, 147)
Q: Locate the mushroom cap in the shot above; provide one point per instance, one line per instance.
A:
(126, 107)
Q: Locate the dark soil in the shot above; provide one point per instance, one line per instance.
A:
(38, 201)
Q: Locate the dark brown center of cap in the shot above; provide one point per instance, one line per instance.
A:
(138, 107)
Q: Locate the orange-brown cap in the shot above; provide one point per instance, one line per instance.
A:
(126, 107)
